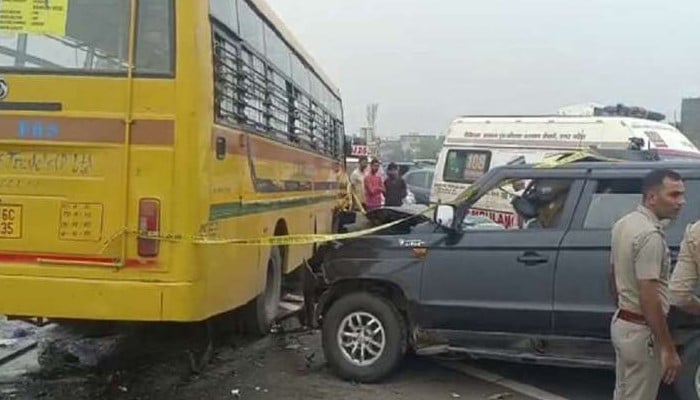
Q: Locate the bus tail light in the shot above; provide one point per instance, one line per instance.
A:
(149, 225)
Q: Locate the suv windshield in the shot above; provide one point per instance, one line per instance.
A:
(85, 36)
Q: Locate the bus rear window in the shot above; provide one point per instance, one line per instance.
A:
(90, 37)
(466, 166)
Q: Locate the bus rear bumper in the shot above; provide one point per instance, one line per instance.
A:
(92, 299)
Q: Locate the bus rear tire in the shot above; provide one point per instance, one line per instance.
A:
(260, 314)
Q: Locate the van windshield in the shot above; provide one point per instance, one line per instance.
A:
(85, 36)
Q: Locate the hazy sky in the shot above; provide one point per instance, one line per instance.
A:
(426, 62)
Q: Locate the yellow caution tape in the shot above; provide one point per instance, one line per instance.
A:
(557, 160)
(290, 240)
(549, 162)
(263, 241)
(346, 205)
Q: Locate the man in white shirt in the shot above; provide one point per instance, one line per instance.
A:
(357, 180)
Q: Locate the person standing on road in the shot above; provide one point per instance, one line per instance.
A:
(645, 351)
(686, 274)
(374, 186)
(357, 180)
(395, 187)
(345, 200)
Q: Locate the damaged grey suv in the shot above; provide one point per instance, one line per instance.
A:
(444, 281)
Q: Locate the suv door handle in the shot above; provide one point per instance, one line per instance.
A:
(532, 258)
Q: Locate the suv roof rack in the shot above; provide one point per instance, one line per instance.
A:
(624, 155)
(622, 110)
(634, 152)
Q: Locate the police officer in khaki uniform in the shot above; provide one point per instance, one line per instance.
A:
(640, 263)
(685, 276)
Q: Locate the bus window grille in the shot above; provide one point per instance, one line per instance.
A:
(250, 91)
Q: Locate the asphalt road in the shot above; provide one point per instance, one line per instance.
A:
(292, 366)
(570, 383)
(280, 367)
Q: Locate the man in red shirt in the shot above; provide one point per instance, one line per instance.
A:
(374, 186)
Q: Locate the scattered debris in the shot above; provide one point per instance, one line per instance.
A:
(8, 342)
(310, 359)
(301, 356)
(501, 396)
(21, 332)
(9, 391)
(16, 329)
(69, 350)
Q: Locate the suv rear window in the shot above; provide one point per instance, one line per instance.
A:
(616, 205)
(612, 200)
(466, 166)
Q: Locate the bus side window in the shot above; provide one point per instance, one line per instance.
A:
(154, 38)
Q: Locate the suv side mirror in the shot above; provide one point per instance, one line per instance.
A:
(444, 215)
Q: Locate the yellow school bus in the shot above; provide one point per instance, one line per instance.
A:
(136, 137)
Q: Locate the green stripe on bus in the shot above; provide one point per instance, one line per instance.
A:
(231, 210)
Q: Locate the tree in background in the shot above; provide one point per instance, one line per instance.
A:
(429, 148)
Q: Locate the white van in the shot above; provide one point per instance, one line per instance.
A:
(473, 145)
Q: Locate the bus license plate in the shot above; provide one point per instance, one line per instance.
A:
(10, 222)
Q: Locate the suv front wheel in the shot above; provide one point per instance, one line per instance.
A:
(364, 337)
